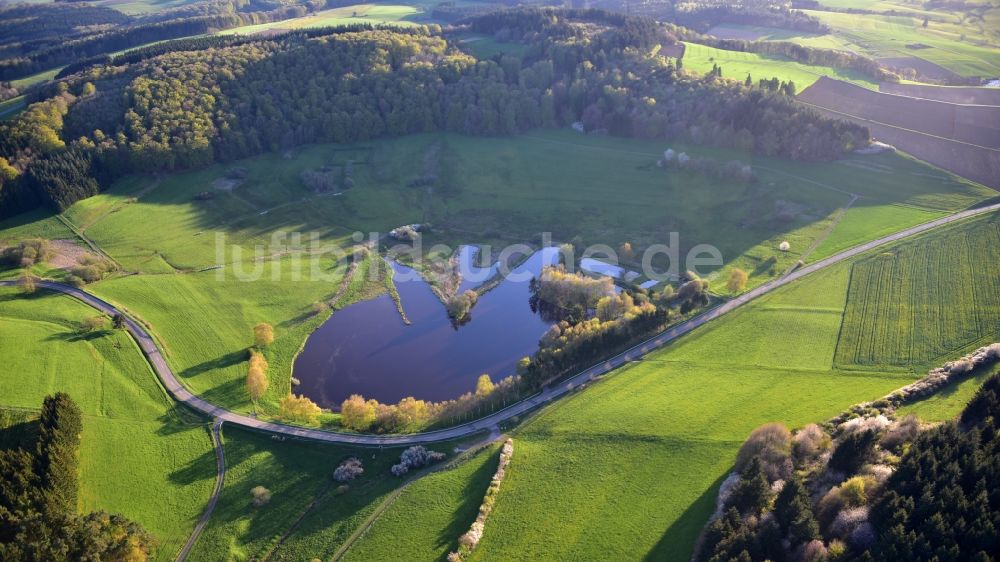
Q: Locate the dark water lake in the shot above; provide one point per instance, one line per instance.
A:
(367, 349)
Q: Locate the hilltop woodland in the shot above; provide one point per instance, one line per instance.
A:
(38, 498)
(38, 37)
(868, 487)
(188, 108)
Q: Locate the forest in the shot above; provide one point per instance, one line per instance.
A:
(38, 37)
(703, 14)
(188, 108)
(832, 493)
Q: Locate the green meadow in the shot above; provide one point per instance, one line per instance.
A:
(139, 455)
(444, 502)
(648, 446)
(309, 515)
(169, 230)
(737, 65)
(358, 14)
(948, 403)
(884, 36)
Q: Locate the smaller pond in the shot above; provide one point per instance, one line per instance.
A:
(367, 349)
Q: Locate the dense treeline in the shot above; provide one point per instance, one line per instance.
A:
(943, 502)
(38, 37)
(184, 109)
(868, 487)
(703, 14)
(38, 498)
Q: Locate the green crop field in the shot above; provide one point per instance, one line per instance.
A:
(138, 455)
(504, 190)
(737, 65)
(924, 300)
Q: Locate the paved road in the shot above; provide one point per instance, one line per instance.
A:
(220, 478)
(182, 394)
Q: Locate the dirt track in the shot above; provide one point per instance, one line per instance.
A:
(953, 94)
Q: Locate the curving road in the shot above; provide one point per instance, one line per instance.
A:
(182, 394)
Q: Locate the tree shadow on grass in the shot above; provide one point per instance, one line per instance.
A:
(680, 539)
(19, 435)
(227, 360)
(201, 468)
(292, 322)
(230, 394)
(472, 498)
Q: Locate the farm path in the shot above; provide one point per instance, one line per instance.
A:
(826, 233)
(220, 477)
(548, 394)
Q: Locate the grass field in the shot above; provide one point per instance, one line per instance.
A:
(737, 65)
(495, 191)
(395, 14)
(486, 47)
(307, 517)
(886, 36)
(965, 46)
(445, 503)
(923, 301)
(948, 402)
(138, 455)
(647, 447)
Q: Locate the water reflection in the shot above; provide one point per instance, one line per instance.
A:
(366, 349)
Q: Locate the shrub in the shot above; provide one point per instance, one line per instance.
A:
(261, 496)
(836, 550)
(299, 409)
(348, 470)
(771, 444)
(257, 381)
(848, 520)
(809, 442)
(415, 457)
(356, 413)
(92, 323)
(960, 367)
(903, 431)
(91, 269)
(263, 335)
(27, 282)
(812, 551)
(737, 280)
(460, 305)
(27, 253)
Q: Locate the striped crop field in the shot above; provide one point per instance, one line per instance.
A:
(926, 299)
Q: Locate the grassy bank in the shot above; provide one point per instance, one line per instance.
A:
(139, 456)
